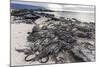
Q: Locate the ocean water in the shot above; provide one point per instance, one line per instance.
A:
(82, 16)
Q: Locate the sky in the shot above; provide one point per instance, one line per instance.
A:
(59, 7)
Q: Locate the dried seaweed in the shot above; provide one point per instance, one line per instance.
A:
(60, 35)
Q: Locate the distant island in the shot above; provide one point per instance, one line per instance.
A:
(29, 7)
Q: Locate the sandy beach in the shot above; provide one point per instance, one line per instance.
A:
(18, 40)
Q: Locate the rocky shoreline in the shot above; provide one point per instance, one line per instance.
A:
(59, 39)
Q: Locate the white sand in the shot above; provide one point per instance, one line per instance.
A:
(18, 40)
